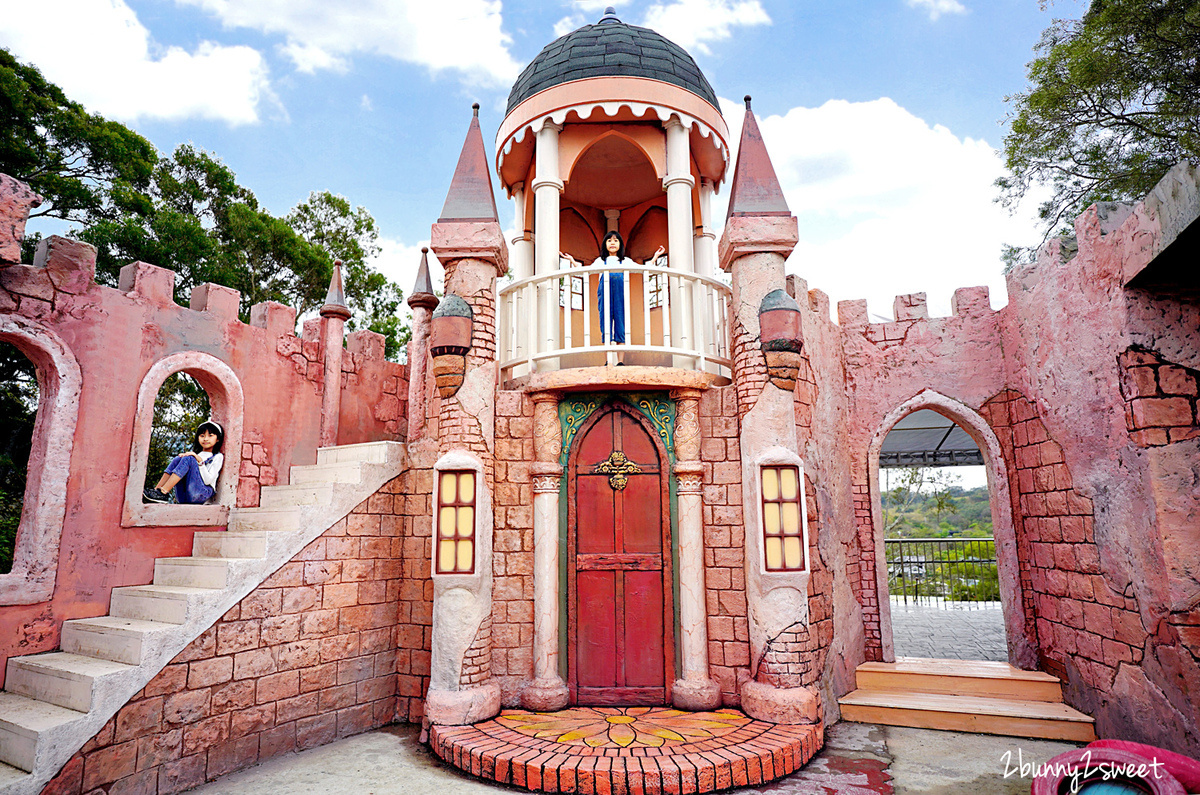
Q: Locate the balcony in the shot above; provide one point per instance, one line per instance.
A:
(673, 319)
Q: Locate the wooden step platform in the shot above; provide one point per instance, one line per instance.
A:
(966, 696)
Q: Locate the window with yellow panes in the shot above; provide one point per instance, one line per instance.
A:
(783, 528)
(454, 552)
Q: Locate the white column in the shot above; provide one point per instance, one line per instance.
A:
(694, 689)
(522, 268)
(547, 692)
(546, 189)
(705, 251)
(522, 242)
(679, 184)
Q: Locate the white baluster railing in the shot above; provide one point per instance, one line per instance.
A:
(652, 295)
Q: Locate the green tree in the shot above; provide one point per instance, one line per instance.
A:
(349, 234)
(84, 166)
(1113, 103)
(207, 228)
(179, 408)
(18, 407)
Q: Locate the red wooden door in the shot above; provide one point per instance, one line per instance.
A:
(619, 566)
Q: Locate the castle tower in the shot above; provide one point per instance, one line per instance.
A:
(613, 128)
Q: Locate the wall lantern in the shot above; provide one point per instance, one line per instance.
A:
(782, 337)
(449, 341)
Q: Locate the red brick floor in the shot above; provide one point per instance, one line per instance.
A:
(626, 750)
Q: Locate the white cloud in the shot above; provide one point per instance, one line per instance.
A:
(103, 57)
(366, 104)
(888, 204)
(399, 261)
(692, 24)
(936, 8)
(458, 35)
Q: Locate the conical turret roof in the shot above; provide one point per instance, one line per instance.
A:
(755, 188)
(470, 197)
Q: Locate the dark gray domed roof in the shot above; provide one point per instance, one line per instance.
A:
(610, 48)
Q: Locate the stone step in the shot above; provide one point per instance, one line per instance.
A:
(339, 472)
(291, 496)
(367, 452)
(975, 714)
(265, 519)
(959, 677)
(8, 774)
(230, 544)
(22, 720)
(169, 604)
(58, 677)
(193, 572)
(110, 637)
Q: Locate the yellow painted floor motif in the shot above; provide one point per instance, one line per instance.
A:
(623, 727)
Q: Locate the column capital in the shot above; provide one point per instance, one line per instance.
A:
(674, 121)
(686, 393)
(550, 124)
(685, 179)
(546, 396)
(547, 182)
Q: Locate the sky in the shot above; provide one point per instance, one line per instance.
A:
(883, 117)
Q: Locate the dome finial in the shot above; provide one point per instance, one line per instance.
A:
(610, 15)
(747, 100)
(475, 108)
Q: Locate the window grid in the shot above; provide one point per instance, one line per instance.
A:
(455, 552)
(783, 527)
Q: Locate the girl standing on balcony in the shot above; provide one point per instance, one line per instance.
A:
(612, 287)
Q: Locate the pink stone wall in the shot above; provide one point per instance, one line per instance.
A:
(512, 547)
(117, 336)
(324, 648)
(1089, 388)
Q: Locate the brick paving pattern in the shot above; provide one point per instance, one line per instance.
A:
(755, 753)
(950, 632)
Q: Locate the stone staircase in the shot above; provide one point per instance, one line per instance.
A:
(55, 702)
(964, 696)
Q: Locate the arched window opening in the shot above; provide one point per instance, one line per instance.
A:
(180, 407)
(943, 579)
(19, 396)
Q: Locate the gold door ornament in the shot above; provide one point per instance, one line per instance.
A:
(619, 468)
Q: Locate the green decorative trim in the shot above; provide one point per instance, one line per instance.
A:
(660, 411)
(573, 411)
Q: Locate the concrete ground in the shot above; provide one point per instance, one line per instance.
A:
(858, 759)
(949, 630)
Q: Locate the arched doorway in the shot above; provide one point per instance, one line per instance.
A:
(620, 611)
(1018, 632)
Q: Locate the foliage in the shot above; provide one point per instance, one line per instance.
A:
(941, 510)
(328, 222)
(207, 228)
(957, 571)
(84, 166)
(179, 408)
(1113, 103)
(18, 406)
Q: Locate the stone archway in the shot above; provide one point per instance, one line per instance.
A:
(228, 406)
(35, 559)
(1022, 648)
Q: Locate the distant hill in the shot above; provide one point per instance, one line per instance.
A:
(965, 513)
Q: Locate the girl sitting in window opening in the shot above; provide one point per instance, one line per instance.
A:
(193, 475)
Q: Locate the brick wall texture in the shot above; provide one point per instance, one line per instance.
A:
(1161, 404)
(336, 642)
(1081, 622)
(512, 547)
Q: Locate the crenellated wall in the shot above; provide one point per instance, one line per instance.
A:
(1082, 395)
(115, 338)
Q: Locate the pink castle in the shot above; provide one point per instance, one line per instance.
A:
(533, 517)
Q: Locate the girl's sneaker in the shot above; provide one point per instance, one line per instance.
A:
(154, 495)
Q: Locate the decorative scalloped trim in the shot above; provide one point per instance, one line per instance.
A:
(611, 108)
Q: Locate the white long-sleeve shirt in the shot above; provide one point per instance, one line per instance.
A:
(210, 468)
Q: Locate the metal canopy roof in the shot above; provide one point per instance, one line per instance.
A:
(926, 438)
